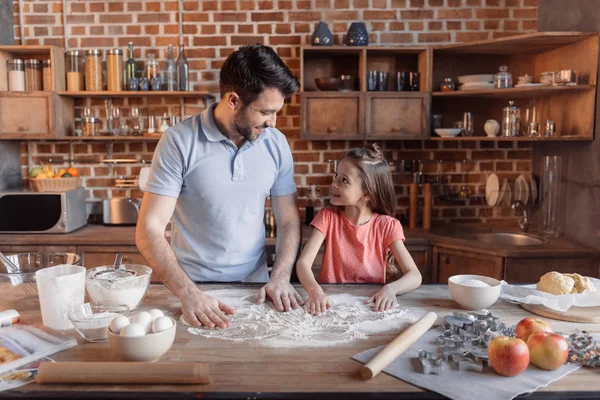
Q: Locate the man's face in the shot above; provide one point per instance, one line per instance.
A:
(251, 119)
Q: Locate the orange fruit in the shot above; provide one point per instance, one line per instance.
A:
(73, 171)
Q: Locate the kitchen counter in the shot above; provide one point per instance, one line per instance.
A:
(252, 371)
(447, 237)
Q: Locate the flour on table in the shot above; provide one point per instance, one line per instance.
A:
(348, 319)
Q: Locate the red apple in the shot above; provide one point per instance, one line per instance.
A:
(527, 326)
(548, 351)
(508, 356)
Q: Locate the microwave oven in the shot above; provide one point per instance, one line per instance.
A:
(24, 211)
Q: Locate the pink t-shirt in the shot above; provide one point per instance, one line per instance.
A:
(355, 254)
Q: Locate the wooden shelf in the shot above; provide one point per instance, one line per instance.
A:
(515, 92)
(513, 139)
(89, 138)
(148, 93)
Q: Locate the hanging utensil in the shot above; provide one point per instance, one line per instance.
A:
(117, 273)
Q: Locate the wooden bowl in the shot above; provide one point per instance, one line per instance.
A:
(328, 84)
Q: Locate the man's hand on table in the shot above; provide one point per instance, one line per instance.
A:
(282, 293)
(201, 309)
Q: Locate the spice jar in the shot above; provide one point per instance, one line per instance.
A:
(114, 70)
(89, 126)
(33, 75)
(93, 70)
(74, 66)
(47, 75)
(16, 75)
(151, 68)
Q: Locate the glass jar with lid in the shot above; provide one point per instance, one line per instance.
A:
(503, 79)
(93, 70)
(511, 120)
(89, 126)
(33, 75)
(114, 70)
(151, 69)
(47, 75)
(16, 75)
(75, 66)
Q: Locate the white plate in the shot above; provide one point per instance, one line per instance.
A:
(477, 87)
(534, 191)
(506, 193)
(450, 132)
(492, 189)
(477, 83)
(521, 189)
(528, 84)
(476, 78)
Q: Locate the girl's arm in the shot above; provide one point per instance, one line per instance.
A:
(385, 298)
(317, 301)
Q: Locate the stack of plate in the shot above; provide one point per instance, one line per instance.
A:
(476, 82)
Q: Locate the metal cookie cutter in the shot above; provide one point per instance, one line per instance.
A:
(430, 363)
(463, 363)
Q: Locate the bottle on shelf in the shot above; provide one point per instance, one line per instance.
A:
(182, 70)
(130, 69)
(170, 81)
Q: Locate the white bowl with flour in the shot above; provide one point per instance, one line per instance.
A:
(474, 292)
(129, 291)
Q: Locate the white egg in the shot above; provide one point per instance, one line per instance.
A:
(161, 324)
(133, 330)
(155, 313)
(118, 323)
(144, 319)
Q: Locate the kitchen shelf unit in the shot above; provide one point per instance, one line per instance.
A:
(362, 114)
(149, 93)
(572, 108)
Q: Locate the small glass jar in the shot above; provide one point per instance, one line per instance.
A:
(448, 85)
(47, 75)
(89, 126)
(33, 75)
(151, 69)
(114, 70)
(74, 65)
(93, 70)
(511, 120)
(16, 75)
(503, 79)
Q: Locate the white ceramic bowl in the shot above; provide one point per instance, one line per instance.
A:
(473, 297)
(146, 348)
(450, 132)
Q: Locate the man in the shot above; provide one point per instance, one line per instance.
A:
(212, 173)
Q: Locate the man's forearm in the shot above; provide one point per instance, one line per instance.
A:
(160, 256)
(286, 249)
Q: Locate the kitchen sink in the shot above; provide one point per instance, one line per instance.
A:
(510, 239)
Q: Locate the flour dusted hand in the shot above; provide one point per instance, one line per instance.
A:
(317, 302)
(201, 309)
(384, 299)
(282, 293)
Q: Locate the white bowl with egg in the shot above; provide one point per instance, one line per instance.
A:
(132, 345)
(474, 292)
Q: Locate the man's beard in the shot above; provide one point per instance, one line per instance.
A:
(241, 124)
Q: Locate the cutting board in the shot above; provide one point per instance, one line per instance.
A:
(573, 314)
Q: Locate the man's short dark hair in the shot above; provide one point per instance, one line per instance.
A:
(253, 68)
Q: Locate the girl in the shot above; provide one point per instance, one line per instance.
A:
(358, 232)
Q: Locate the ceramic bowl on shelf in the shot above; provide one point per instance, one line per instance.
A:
(448, 132)
(328, 84)
(474, 292)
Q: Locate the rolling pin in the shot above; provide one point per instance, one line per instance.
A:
(124, 372)
(397, 346)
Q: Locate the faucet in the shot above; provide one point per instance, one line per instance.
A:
(523, 222)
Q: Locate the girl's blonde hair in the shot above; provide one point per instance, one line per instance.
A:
(377, 182)
(376, 177)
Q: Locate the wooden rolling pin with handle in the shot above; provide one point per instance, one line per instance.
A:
(124, 372)
(398, 346)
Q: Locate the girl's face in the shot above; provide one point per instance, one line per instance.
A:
(347, 186)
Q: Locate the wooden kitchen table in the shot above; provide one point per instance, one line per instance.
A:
(243, 370)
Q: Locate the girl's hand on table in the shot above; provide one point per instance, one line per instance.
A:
(384, 299)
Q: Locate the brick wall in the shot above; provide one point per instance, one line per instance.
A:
(213, 29)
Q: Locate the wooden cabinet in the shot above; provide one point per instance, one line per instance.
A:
(450, 262)
(14, 249)
(355, 112)
(332, 115)
(422, 255)
(529, 270)
(396, 116)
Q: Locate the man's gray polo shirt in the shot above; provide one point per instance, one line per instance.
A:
(218, 232)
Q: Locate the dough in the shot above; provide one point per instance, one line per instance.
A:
(556, 283)
(582, 283)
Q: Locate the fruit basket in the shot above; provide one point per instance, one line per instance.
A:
(55, 184)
